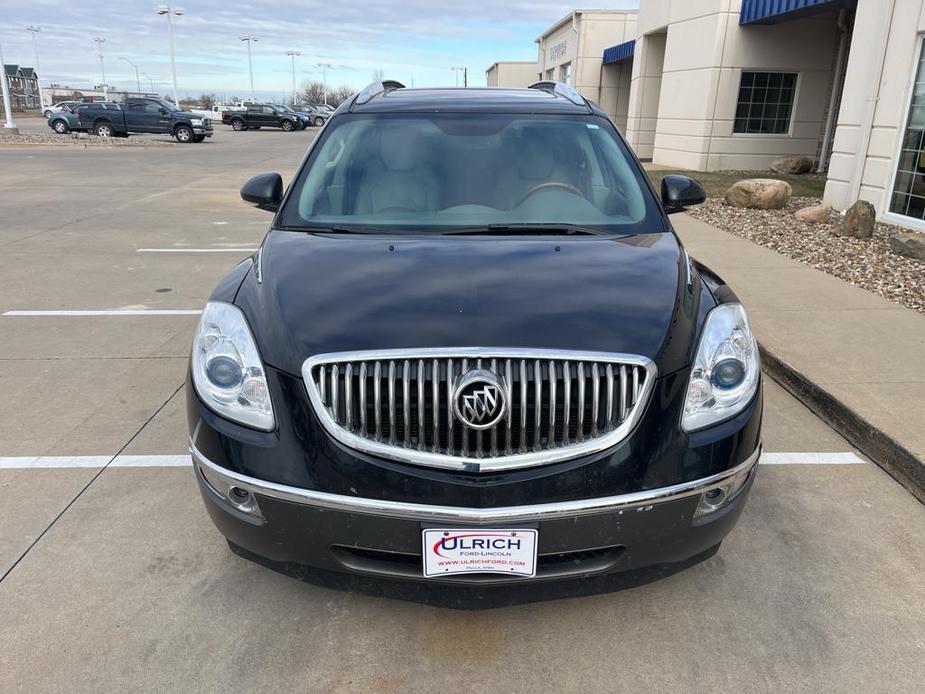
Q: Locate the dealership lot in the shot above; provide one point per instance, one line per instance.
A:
(114, 578)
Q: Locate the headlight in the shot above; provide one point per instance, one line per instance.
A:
(725, 372)
(227, 371)
(196, 121)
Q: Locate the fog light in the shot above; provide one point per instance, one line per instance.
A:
(238, 496)
(719, 497)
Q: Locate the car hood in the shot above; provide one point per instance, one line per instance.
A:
(333, 293)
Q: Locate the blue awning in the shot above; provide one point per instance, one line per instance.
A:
(773, 11)
(621, 51)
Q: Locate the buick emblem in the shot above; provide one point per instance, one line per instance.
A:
(479, 401)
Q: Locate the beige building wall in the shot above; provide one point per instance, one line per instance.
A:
(572, 51)
(874, 106)
(511, 73)
(688, 65)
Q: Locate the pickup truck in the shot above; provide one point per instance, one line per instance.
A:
(257, 116)
(145, 115)
(215, 113)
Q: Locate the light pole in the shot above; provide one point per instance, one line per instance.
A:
(99, 41)
(170, 11)
(150, 79)
(10, 126)
(137, 78)
(456, 71)
(32, 29)
(292, 55)
(324, 80)
(250, 38)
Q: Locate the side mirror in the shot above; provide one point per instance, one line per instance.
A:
(681, 192)
(264, 191)
(163, 111)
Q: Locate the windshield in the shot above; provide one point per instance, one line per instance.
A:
(437, 171)
(166, 104)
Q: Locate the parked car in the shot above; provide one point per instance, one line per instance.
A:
(471, 350)
(317, 115)
(145, 115)
(304, 118)
(68, 120)
(59, 107)
(256, 116)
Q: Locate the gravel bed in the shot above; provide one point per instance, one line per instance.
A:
(866, 263)
(82, 140)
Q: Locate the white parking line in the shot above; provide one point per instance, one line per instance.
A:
(89, 461)
(111, 312)
(197, 250)
(92, 461)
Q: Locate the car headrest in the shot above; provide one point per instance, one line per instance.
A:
(398, 147)
(534, 152)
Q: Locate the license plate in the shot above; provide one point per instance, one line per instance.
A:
(466, 551)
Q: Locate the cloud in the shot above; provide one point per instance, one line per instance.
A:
(412, 38)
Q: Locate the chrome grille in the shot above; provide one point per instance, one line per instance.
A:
(398, 404)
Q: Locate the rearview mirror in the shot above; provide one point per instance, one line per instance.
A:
(264, 191)
(681, 192)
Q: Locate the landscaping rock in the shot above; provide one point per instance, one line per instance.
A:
(759, 193)
(796, 164)
(910, 244)
(860, 220)
(814, 214)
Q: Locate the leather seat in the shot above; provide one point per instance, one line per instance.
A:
(400, 181)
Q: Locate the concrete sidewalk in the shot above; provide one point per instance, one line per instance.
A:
(858, 360)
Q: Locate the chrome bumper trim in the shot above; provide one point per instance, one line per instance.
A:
(461, 515)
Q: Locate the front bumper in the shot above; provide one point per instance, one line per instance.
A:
(201, 130)
(375, 537)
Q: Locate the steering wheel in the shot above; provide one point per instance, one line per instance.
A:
(550, 184)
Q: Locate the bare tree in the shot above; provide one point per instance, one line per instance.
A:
(340, 94)
(312, 92)
(207, 101)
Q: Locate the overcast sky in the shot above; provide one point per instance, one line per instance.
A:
(407, 39)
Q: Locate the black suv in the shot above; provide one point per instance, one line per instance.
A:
(256, 116)
(472, 350)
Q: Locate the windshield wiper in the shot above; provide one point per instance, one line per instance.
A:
(335, 229)
(523, 228)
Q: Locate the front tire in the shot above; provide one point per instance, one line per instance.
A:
(60, 127)
(286, 125)
(184, 134)
(319, 121)
(238, 124)
(47, 113)
(103, 129)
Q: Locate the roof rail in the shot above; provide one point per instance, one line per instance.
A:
(376, 88)
(560, 89)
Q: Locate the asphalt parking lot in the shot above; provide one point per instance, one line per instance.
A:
(113, 577)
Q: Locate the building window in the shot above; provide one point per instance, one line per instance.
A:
(765, 103)
(550, 74)
(909, 187)
(565, 73)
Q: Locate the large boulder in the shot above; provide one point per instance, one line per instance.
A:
(860, 220)
(814, 214)
(909, 243)
(759, 193)
(796, 164)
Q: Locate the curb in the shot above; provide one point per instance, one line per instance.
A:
(895, 459)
